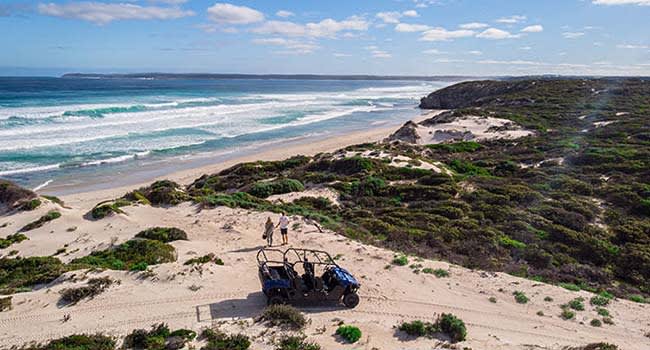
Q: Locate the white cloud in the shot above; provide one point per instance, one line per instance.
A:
(325, 28)
(496, 34)
(223, 13)
(284, 13)
(633, 47)
(525, 48)
(104, 13)
(393, 17)
(338, 54)
(511, 20)
(381, 54)
(572, 35)
(473, 25)
(475, 53)
(442, 34)
(169, 2)
(410, 28)
(293, 46)
(433, 52)
(533, 29)
(622, 2)
(389, 17)
(410, 13)
(448, 60)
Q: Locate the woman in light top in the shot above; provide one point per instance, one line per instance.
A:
(268, 231)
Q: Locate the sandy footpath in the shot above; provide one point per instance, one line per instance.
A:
(229, 296)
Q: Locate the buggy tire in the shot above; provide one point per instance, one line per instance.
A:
(275, 300)
(351, 300)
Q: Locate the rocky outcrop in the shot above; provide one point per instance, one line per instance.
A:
(473, 93)
(407, 133)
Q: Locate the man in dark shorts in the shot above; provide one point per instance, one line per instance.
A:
(284, 228)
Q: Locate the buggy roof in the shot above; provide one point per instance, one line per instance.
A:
(293, 255)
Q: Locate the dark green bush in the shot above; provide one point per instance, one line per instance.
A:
(284, 315)
(51, 215)
(220, 341)
(30, 205)
(453, 326)
(77, 342)
(351, 334)
(157, 337)
(5, 304)
(135, 252)
(416, 328)
(577, 304)
(400, 260)
(104, 209)
(163, 192)
(11, 239)
(457, 147)
(520, 297)
(25, 272)
(12, 195)
(163, 234)
(264, 189)
(599, 300)
(296, 343)
(94, 287)
(204, 260)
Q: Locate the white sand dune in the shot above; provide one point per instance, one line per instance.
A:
(229, 296)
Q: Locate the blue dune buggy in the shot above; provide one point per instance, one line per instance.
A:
(305, 275)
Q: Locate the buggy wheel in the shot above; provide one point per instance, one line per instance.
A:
(351, 300)
(276, 300)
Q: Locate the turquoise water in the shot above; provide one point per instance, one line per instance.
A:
(55, 130)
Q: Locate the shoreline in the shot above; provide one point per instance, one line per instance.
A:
(88, 198)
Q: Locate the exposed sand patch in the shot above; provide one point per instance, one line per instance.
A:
(604, 123)
(229, 295)
(469, 128)
(324, 192)
(398, 161)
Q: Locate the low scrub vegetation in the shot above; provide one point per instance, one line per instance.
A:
(595, 346)
(30, 205)
(295, 342)
(520, 297)
(5, 303)
(284, 315)
(76, 342)
(159, 193)
(134, 255)
(264, 189)
(447, 324)
(350, 334)
(94, 287)
(163, 234)
(11, 239)
(208, 258)
(13, 196)
(19, 273)
(51, 215)
(159, 337)
(218, 340)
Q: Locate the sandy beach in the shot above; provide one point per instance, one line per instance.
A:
(228, 297)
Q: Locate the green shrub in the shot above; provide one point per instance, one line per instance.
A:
(163, 192)
(163, 234)
(520, 297)
(493, 300)
(602, 312)
(204, 260)
(453, 326)
(12, 195)
(77, 342)
(599, 301)
(416, 328)
(30, 204)
(400, 260)
(511, 243)
(104, 209)
(567, 314)
(468, 168)
(606, 294)
(595, 346)
(570, 286)
(5, 304)
(11, 239)
(637, 298)
(156, 338)
(221, 341)
(25, 272)
(284, 315)
(264, 189)
(596, 323)
(51, 215)
(577, 304)
(136, 252)
(351, 334)
(296, 343)
(457, 147)
(94, 287)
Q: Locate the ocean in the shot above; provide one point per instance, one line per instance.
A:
(76, 131)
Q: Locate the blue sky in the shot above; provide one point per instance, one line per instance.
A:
(411, 37)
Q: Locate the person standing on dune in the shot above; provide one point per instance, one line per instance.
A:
(268, 231)
(284, 228)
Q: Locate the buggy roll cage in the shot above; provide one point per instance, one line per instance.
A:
(322, 257)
